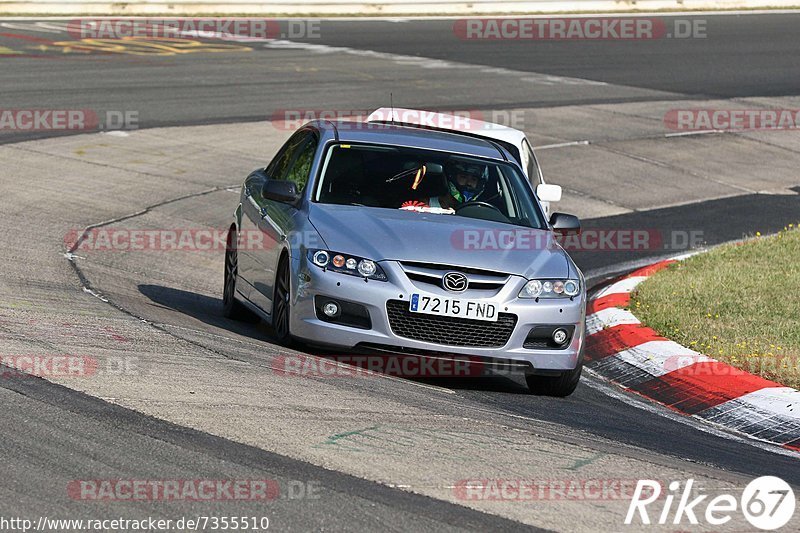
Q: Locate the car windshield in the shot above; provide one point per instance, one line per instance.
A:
(427, 181)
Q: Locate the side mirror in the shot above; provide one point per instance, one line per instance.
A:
(283, 191)
(565, 223)
(548, 192)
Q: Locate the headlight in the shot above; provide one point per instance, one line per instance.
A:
(320, 258)
(367, 268)
(347, 264)
(551, 288)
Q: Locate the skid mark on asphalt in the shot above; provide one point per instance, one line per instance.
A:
(398, 440)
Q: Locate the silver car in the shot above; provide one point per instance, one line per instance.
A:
(401, 240)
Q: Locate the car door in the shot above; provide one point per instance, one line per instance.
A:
(274, 219)
(248, 236)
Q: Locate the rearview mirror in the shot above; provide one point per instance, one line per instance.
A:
(283, 191)
(565, 223)
(548, 192)
(434, 168)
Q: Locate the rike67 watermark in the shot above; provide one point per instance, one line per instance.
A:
(767, 503)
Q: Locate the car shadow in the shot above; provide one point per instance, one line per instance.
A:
(483, 383)
(208, 310)
(476, 378)
(204, 308)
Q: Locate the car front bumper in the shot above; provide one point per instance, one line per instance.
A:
(309, 281)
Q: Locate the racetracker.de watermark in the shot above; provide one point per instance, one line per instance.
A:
(235, 29)
(591, 239)
(763, 365)
(177, 240)
(47, 366)
(732, 119)
(66, 366)
(519, 490)
(579, 29)
(202, 490)
(467, 239)
(27, 120)
(455, 119)
(405, 366)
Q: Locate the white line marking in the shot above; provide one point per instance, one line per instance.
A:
(627, 266)
(688, 133)
(41, 27)
(660, 357)
(781, 401)
(608, 318)
(58, 26)
(562, 145)
(95, 294)
(687, 255)
(622, 286)
(431, 63)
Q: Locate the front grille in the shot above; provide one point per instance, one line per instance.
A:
(472, 285)
(458, 268)
(450, 331)
(478, 279)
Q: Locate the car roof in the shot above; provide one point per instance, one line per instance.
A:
(413, 137)
(444, 121)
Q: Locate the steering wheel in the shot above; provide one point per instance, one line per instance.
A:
(478, 203)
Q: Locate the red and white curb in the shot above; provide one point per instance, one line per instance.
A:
(621, 349)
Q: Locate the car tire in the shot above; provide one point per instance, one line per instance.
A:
(281, 304)
(559, 386)
(231, 307)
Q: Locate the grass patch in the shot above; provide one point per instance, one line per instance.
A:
(737, 303)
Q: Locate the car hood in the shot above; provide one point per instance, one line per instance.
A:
(399, 235)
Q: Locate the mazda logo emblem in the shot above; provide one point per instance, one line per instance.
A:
(455, 282)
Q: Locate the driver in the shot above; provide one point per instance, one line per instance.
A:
(465, 183)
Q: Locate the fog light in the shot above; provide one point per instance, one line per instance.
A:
(331, 309)
(560, 336)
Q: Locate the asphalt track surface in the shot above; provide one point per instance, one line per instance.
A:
(52, 432)
(740, 56)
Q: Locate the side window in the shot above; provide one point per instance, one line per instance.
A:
(279, 166)
(301, 168)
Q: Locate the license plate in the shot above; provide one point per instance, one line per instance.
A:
(436, 305)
